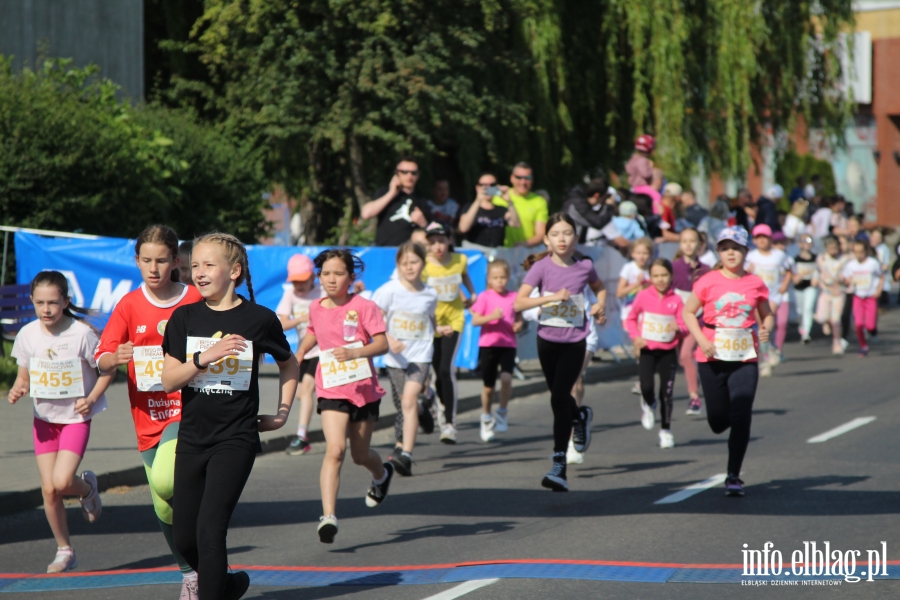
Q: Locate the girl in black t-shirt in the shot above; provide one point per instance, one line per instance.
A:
(212, 353)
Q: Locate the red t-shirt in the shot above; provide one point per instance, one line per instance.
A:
(139, 320)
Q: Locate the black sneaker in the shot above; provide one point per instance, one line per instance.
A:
(378, 492)
(298, 447)
(555, 479)
(426, 421)
(734, 487)
(402, 464)
(236, 586)
(581, 434)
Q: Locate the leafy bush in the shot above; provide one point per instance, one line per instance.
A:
(793, 165)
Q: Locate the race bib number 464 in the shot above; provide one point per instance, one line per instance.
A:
(410, 326)
(336, 373)
(148, 365)
(56, 379)
(229, 373)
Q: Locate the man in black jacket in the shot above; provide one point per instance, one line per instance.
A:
(590, 206)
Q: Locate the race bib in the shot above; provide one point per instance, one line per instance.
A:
(148, 366)
(447, 288)
(56, 379)
(659, 328)
(806, 270)
(862, 281)
(734, 345)
(410, 326)
(769, 275)
(336, 373)
(229, 373)
(563, 314)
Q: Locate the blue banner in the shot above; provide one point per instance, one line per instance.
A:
(101, 271)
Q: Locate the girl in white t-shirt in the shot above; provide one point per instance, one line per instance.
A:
(864, 273)
(773, 267)
(408, 306)
(634, 277)
(55, 355)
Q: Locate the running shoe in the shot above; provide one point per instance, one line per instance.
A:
(91, 506)
(189, 589)
(501, 421)
(573, 456)
(448, 434)
(734, 486)
(666, 440)
(581, 431)
(694, 406)
(378, 492)
(487, 429)
(636, 388)
(844, 344)
(864, 352)
(298, 447)
(873, 339)
(65, 561)
(426, 421)
(648, 419)
(775, 357)
(402, 463)
(236, 585)
(837, 348)
(765, 369)
(555, 479)
(806, 340)
(328, 528)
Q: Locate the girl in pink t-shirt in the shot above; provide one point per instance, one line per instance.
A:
(727, 345)
(493, 311)
(349, 331)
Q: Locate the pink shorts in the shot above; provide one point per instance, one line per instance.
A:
(53, 437)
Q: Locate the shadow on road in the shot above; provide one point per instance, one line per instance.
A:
(444, 530)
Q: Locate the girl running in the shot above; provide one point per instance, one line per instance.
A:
(561, 276)
(655, 324)
(55, 355)
(493, 311)
(634, 277)
(212, 354)
(728, 346)
(445, 271)
(408, 307)
(350, 331)
(133, 336)
(686, 270)
(806, 284)
(772, 266)
(864, 273)
(830, 305)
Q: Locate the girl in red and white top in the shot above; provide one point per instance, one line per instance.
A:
(133, 336)
(656, 326)
(349, 330)
(864, 273)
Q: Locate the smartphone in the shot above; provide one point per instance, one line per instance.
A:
(492, 191)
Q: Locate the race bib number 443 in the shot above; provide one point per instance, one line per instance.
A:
(148, 365)
(734, 345)
(336, 373)
(55, 379)
(229, 373)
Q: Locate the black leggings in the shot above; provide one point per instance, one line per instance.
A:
(561, 364)
(846, 315)
(207, 488)
(445, 348)
(730, 388)
(663, 362)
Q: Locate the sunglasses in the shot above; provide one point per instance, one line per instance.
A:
(524, 177)
(402, 172)
(487, 184)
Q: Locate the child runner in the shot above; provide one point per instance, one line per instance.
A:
(882, 252)
(55, 355)
(133, 336)
(184, 262)
(728, 346)
(806, 284)
(408, 307)
(561, 276)
(864, 273)
(493, 311)
(686, 270)
(350, 331)
(772, 266)
(655, 324)
(212, 354)
(293, 311)
(830, 305)
(634, 277)
(445, 271)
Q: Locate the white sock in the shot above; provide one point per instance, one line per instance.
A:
(301, 431)
(501, 411)
(192, 576)
(486, 417)
(383, 478)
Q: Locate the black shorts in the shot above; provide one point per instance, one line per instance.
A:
(358, 414)
(490, 358)
(308, 367)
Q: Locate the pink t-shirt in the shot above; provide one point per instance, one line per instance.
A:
(648, 302)
(356, 321)
(729, 303)
(499, 333)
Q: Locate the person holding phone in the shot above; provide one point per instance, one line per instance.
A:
(397, 206)
(484, 223)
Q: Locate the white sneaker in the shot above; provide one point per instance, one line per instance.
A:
(501, 422)
(448, 434)
(666, 440)
(636, 389)
(328, 528)
(91, 507)
(765, 369)
(648, 419)
(487, 430)
(573, 456)
(775, 357)
(65, 561)
(844, 343)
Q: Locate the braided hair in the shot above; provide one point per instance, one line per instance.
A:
(235, 252)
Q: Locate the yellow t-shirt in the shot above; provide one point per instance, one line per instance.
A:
(531, 209)
(447, 281)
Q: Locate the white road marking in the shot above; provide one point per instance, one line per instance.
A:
(462, 589)
(694, 489)
(833, 433)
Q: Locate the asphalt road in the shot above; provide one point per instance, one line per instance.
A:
(483, 502)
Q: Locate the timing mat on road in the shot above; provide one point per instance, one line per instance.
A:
(589, 570)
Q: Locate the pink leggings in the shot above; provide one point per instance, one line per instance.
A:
(53, 437)
(688, 363)
(782, 313)
(865, 317)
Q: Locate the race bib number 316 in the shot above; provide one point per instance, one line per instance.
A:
(148, 365)
(336, 373)
(56, 379)
(229, 373)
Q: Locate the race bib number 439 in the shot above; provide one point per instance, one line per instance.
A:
(55, 379)
(148, 365)
(336, 373)
(229, 373)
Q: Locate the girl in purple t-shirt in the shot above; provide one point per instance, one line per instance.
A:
(561, 277)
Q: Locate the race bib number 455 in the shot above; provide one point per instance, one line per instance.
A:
(734, 345)
(148, 365)
(229, 373)
(336, 373)
(55, 379)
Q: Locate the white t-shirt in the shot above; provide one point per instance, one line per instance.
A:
(771, 268)
(830, 270)
(293, 305)
(410, 319)
(794, 227)
(631, 273)
(78, 342)
(709, 258)
(864, 276)
(821, 222)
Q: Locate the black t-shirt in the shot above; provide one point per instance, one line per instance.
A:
(804, 283)
(395, 224)
(211, 417)
(489, 227)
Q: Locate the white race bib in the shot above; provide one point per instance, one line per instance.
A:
(410, 326)
(734, 344)
(563, 314)
(229, 373)
(658, 328)
(56, 379)
(806, 270)
(769, 275)
(447, 288)
(148, 365)
(862, 282)
(336, 373)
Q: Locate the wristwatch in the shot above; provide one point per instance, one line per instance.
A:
(197, 361)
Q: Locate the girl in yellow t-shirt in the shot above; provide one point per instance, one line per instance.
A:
(445, 271)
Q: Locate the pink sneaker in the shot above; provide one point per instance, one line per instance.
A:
(65, 561)
(189, 589)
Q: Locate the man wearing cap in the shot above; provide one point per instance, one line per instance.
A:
(591, 207)
(398, 208)
(531, 208)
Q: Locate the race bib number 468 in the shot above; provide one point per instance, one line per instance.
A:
(734, 345)
(56, 379)
(229, 373)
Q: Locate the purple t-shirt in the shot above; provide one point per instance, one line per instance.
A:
(551, 277)
(684, 275)
(499, 333)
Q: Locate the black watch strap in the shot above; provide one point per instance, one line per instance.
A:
(197, 361)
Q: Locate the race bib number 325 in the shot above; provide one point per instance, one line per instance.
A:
(336, 373)
(563, 314)
(148, 364)
(229, 373)
(56, 379)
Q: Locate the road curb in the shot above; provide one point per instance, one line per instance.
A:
(14, 502)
